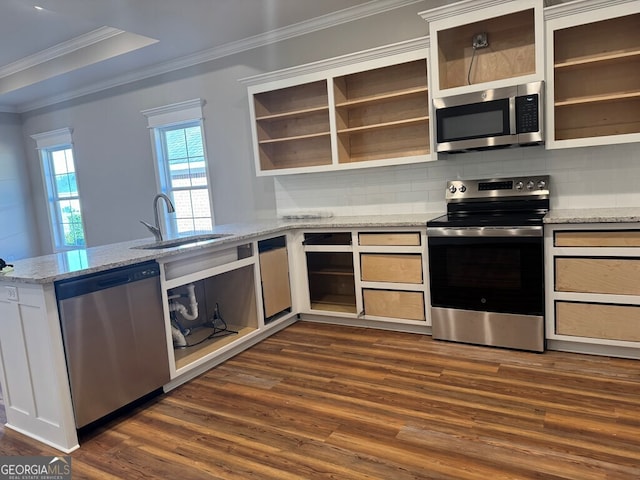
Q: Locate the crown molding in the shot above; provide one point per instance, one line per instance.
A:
(336, 62)
(96, 36)
(347, 15)
(581, 6)
(459, 8)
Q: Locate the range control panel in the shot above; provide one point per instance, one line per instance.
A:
(533, 186)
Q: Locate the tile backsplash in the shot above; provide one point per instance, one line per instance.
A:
(607, 176)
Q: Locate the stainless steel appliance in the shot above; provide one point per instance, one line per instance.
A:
(114, 338)
(486, 263)
(491, 118)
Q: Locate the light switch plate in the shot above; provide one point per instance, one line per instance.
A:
(12, 293)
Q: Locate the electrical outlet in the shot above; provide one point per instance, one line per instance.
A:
(480, 40)
(12, 293)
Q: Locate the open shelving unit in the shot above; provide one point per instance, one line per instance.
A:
(596, 68)
(364, 109)
(382, 113)
(293, 126)
(330, 271)
(331, 281)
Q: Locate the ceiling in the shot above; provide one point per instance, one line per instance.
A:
(67, 48)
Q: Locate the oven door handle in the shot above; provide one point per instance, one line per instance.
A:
(531, 231)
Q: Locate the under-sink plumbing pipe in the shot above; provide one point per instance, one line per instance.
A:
(181, 309)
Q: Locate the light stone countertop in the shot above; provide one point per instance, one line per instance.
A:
(60, 266)
(594, 215)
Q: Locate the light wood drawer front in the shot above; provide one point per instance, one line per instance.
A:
(618, 276)
(611, 238)
(394, 304)
(611, 322)
(398, 239)
(397, 268)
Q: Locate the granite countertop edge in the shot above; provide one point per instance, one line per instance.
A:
(47, 269)
(593, 215)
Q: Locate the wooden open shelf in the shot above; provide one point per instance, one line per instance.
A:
(299, 151)
(383, 113)
(404, 139)
(292, 126)
(596, 72)
(335, 303)
(291, 99)
(299, 124)
(614, 36)
(511, 50)
(331, 281)
(333, 270)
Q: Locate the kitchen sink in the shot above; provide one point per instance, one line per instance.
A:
(181, 242)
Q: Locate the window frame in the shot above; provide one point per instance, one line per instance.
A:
(47, 144)
(160, 120)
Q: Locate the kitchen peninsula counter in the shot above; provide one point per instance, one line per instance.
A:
(60, 266)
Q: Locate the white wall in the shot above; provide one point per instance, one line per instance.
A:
(17, 228)
(580, 178)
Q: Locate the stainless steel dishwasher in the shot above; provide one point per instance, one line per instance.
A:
(114, 338)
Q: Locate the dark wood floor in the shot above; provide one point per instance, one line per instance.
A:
(323, 401)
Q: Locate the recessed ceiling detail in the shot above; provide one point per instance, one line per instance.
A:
(94, 47)
(64, 51)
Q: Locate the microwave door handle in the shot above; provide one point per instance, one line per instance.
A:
(512, 115)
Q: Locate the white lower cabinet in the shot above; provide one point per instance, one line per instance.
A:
(593, 288)
(35, 386)
(367, 277)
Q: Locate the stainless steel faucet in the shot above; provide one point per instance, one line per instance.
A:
(157, 232)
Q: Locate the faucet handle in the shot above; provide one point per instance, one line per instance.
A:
(152, 229)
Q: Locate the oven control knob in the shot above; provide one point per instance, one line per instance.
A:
(519, 185)
(452, 189)
(530, 185)
(542, 184)
(462, 189)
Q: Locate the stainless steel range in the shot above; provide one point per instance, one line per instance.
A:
(486, 263)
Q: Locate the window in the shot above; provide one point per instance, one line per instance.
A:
(182, 166)
(59, 174)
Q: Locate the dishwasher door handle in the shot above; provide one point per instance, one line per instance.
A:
(114, 282)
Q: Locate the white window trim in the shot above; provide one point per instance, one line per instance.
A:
(167, 116)
(54, 138)
(47, 140)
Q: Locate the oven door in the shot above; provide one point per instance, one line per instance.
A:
(487, 269)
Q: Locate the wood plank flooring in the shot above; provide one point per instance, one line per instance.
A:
(320, 401)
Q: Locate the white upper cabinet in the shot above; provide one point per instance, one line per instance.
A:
(593, 72)
(365, 109)
(484, 44)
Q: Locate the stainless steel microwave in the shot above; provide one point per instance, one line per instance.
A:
(502, 117)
